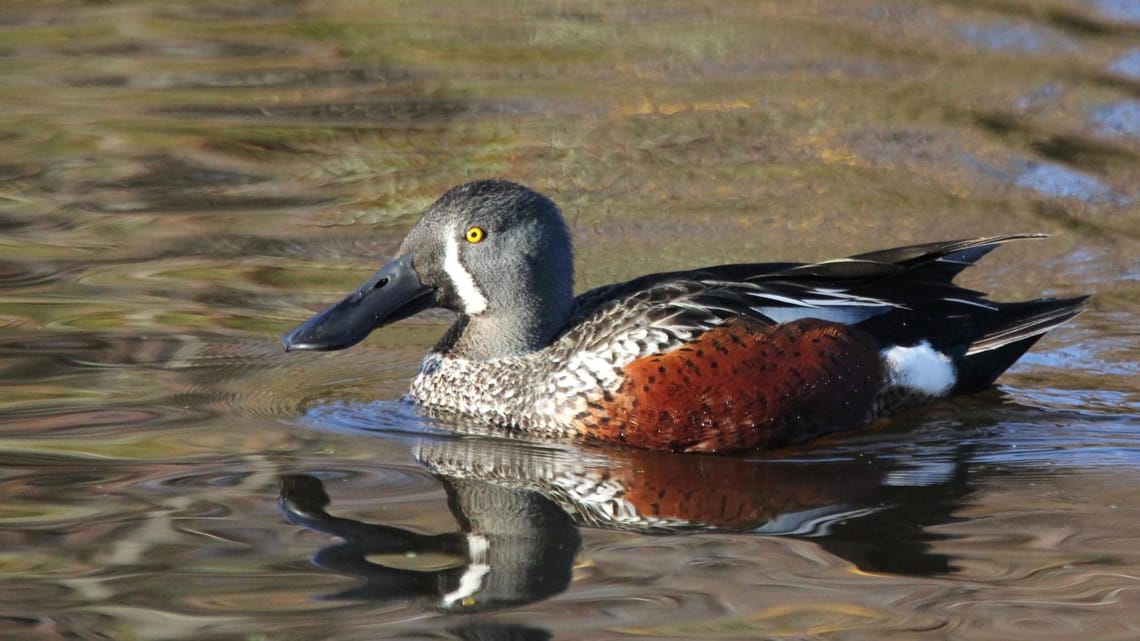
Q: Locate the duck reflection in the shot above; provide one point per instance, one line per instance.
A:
(513, 547)
(519, 508)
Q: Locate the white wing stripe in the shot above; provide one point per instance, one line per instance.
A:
(780, 299)
(974, 303)
(833, 300)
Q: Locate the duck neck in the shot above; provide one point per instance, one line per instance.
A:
(506, 333)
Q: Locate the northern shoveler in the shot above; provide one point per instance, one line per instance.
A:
(730, 357)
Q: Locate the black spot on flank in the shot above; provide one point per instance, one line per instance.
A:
(664, 416)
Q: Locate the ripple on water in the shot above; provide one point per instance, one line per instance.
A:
(1120, 119)
(1120, 10)
(1048, 179)
(15, 274)
(613, 606)
(734, 586)
(265, 77)
(1061, 182)
(105, 421)
(99, 349)
(1127, 65)
(1018, 38)
(378, 417)
(201, 373)
(1072, 446)
(364, 114)
(1058, 603)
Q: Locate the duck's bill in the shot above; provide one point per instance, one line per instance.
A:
(393, 293)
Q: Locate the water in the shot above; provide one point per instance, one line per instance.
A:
(181, 184)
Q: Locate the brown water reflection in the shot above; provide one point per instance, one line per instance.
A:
(180, 184)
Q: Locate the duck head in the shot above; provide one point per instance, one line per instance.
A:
(493, 251)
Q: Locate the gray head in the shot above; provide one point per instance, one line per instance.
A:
(494, 251)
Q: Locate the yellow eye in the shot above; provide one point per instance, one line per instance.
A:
(476, 234)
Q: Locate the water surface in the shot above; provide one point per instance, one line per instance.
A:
(181, 184)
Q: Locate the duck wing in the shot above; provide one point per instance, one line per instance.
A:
(900, 296)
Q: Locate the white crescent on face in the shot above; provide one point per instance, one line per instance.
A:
(473, 300)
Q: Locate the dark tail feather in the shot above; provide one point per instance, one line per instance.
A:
(951, 256)
(989, 355)
(928, 264)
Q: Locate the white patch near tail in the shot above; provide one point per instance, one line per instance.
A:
(920, 368)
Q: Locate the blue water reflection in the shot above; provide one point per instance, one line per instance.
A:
(1119, 119)
(1019, 38)
(1127, 65)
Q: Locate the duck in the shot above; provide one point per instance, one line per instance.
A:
(716, 359)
